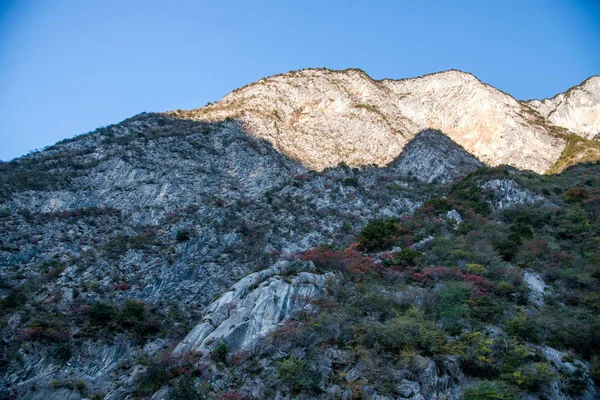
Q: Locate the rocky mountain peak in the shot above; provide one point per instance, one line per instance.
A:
(577, 109)
(322, 117)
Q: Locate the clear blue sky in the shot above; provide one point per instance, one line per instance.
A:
(69, 66)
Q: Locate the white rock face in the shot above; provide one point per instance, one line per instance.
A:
(536, 284)
(322, 117)
(578, 109)
(255, 306)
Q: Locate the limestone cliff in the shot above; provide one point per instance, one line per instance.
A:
(322, 117)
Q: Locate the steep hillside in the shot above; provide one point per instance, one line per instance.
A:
(577, 109)
(322, 117)
(114, 240)
(309, 236)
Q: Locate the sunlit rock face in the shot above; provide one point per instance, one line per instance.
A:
(322, 117)
(578, 109)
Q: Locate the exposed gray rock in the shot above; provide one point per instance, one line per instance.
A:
(257, 305)
(574, 369)
(536, 284)
(407, 389)
(423, 242)
(433, 157)
(455, 216)
(507, 193)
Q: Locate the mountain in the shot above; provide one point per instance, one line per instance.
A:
(322, 117)
(577, 109)
(316, 234)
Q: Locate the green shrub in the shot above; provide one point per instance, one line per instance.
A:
(102, 313)
(13, 301)
(531, 377)
(183, 235)
(488, 390)
(298, 374)
(452, 307)
(439, 204)
(378, 235)
(409, 332)
(350, 182)
(220, 351)
(407, 258)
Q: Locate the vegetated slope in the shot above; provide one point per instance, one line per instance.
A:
(114, 245)
(322, 117)
(113, 242)
(488, 293)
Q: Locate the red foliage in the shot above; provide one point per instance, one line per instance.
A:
(231, 396)
(122, 286)
(350, 260)
(536, 248)
(39, 333)
(432, 275)
(302, 177)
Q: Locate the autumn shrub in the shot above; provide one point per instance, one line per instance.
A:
(476, 353)
(349, 260)
(477, 269)
(576, 194)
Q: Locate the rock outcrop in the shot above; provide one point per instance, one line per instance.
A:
(433, 157)
(507, 192)
(257, 305)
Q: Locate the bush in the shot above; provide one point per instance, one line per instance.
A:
(101, 313)
(409, 332)
(350, 182)
(378, 235)
(576, 194)
(488, 390)
(407, 258)
(298, 374)
(438, 204)
(220, 351)
(477, 269)
(13, 301)
(532, 377)
(183, 235)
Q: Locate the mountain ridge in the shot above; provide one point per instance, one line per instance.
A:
(359, 120)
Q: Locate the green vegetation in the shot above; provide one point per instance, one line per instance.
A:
(441, 299)
(488, 391)
(298, 374)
